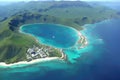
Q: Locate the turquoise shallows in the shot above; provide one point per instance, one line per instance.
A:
(55, 35)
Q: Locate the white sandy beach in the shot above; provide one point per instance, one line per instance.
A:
(27, 63)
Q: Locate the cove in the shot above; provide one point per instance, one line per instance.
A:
(55, 35)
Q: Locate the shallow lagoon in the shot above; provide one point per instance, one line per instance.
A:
(55, 35)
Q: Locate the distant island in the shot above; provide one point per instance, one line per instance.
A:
(16, 46)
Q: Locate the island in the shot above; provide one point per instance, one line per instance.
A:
(16, 46)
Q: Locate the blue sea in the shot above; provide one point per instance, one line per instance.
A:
(99, 60)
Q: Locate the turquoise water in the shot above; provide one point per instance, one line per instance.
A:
(52, 34)
(97, 61)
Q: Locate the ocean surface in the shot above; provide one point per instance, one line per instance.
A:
(100, 60)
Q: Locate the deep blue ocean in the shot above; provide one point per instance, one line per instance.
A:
(100, 60)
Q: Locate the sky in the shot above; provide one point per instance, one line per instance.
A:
(52, 0)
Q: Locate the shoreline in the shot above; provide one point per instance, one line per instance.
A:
(82, 40)
(25, 63)
(3, 64)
